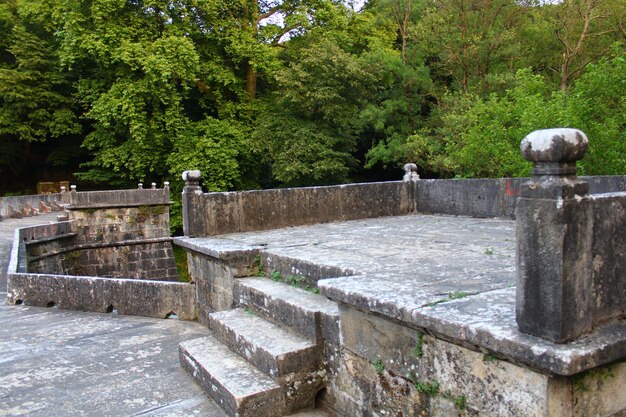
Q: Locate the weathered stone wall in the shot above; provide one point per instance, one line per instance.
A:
(608, 256)
(112, 243)
(128, 242)
(214, 281)
(104, 295)
(31, 205)
(489, 197)
(385, 368)
(122, 234)
(49, 248)
(208, 214)
(125, 238)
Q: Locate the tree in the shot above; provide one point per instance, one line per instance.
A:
(469, 40)
(35, 95)
(583, 28)
(308, 127)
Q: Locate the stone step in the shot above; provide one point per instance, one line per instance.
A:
(310, 315)
(234, 384)
(270, 348)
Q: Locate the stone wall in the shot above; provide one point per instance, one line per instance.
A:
(31, 205)
(49, 248)
(123, 234)
(385, 368)
(490, 197)
(114, 234)
(208, 214)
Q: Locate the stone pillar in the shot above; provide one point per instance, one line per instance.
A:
(192, 186)
(554, 239)
(410, 173)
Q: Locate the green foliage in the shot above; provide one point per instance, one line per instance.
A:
(418, 350)
(597, 106)
(307, 128)
(428, 388)
(257, 269)
(379, 366)
(302, 92)
(180, 257)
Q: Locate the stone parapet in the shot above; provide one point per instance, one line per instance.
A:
(119, 198)
(102, 295)
(208, 214)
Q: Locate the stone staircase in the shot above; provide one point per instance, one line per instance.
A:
(265, 358)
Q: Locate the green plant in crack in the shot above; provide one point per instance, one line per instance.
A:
(295, 280)
(433, 389)
(488, 251)
(379, 366)
(460, 402)
(249, 311)
(455, 295)
(276, 276)
(256, 268)
(428, 388)
(418, 350)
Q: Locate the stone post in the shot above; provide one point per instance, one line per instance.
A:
(554, 238)
(192, 187)
(410, 173)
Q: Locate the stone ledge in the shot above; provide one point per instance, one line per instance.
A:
(114, 205)
(101, 295)
(485, 321)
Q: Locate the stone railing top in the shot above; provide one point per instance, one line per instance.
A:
(119, 198)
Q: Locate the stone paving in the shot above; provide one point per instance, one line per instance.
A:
(66, 363)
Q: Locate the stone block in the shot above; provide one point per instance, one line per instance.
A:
(554, 286)
(309, 315)
(273, 350)
(235, 385)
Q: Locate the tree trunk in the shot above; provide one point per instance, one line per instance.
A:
(251, 78)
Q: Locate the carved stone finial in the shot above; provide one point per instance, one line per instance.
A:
(410, 172)
(140, 186)
(555, 151)
(63, 189)
(153, 185)
(73, 188)
(192, 178)
(166, 185)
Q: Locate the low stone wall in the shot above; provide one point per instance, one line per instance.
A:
(209, 214)
(49, 248)
(489, 197)
(104, 295)
(608, 256)
(31, 205)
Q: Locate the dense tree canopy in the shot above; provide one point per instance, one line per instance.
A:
(260, 93)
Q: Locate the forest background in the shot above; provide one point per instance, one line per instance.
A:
(259, 94)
